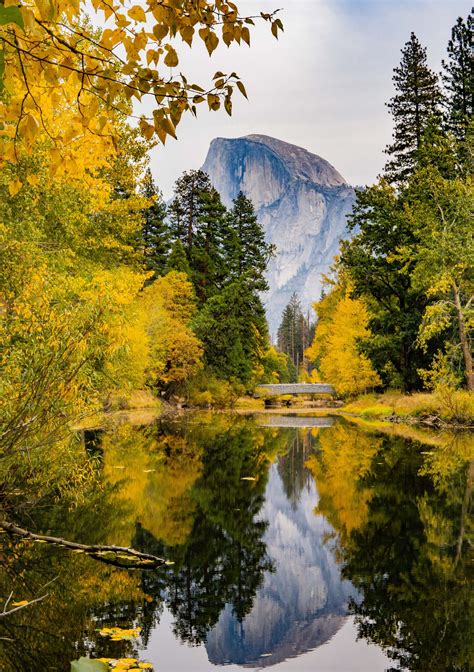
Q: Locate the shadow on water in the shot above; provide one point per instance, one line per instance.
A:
(276, 533)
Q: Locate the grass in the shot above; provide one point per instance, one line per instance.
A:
(449, 406)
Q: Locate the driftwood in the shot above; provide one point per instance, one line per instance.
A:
(142, 560)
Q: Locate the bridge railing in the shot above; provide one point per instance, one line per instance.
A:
(294, 388)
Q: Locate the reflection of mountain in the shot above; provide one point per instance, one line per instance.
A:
(302, 603)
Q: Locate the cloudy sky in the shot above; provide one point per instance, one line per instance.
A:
(322, 85)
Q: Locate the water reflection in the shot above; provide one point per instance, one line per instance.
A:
(260, 522)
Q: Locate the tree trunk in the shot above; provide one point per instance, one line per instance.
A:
(465, 345)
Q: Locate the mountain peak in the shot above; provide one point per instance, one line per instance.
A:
(300, 199)
(301, 162)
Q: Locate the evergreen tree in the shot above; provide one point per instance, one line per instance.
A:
(245, 250)
(458, 78)
(177, 260)
(155, 232)
(417, 100)
(233, 330)
(197, 219)
(187, 207)
(294, 332)
(206, 257)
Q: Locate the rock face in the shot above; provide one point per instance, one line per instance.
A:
(301, 201)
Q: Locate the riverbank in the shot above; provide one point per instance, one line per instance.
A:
(443, 409)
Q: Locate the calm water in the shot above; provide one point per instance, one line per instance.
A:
(298, 544)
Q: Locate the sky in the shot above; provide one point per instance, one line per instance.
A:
(323, 85)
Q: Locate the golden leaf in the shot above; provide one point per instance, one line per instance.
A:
(137, 13)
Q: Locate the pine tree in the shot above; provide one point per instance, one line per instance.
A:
(197, 219)
(245, 250)
(177, 260)
(206, 257)
(458, 78)
(233, 330)
(187, 206)
(155, 232)
(294, 332)
(417, 100)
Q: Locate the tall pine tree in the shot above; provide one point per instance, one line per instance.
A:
(246, 254)
(197, 217)
(458, 79)
(416, 102)
(155, 232)
(294, 332)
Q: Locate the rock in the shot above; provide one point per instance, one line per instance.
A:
(300, 199)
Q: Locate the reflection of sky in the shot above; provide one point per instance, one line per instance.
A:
(300, 606)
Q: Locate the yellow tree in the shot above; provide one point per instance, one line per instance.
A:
(342, 321)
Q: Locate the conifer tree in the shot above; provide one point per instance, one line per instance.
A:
(458, 77)
(177, 260)
(293, 335)
(155, 232)
(233, 330)
(417, 100)
(187, 206)
(197, 218)
(206, 257)
(246, 252)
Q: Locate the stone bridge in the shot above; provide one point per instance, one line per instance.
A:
(295, 388)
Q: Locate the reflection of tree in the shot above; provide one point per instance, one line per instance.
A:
(406, 558)
(224, 558)
(291, 466)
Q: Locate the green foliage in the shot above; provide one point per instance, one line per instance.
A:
(232, 328)
(458, 79)
(155, 234)
(417, 100)
(88, 665)
(245, 252)
(208, 391)
(294, 333)
(177, 261)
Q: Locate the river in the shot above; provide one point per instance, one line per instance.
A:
(297, 545)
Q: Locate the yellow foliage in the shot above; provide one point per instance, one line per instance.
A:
(341, 322)
(66, 83)
(346, 457)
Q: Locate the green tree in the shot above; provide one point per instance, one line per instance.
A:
(155, 232)
(384, 281)
(417, 99)
(441, 217)
(197, 219)
(294, 333)
(177, 260)
(233, 330)
(458, 78)
(244, 248)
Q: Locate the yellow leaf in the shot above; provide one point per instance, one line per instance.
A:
(33, 180)
(137, 13)
(160, 31)
(14, 187)
(171, 57)
(20, 604)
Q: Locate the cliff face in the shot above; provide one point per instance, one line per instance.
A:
(301, 201)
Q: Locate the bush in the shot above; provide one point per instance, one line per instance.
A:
(206, 390)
